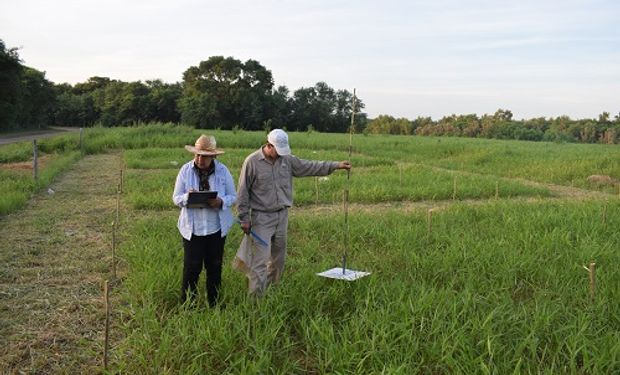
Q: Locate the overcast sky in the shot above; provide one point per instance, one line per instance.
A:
(538, 58)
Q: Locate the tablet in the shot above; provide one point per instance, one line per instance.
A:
(198, 199)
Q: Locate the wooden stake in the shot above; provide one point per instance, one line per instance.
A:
(454, 189)
(316, 188)
(106, 298)
(114, 249)
(118, 206)
(35, 160)
(592, 272)
(604, 214)
(120, 184)
(429, 220)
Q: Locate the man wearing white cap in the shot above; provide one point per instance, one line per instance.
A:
(264, 195)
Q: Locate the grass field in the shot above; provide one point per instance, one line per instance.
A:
(495, 285)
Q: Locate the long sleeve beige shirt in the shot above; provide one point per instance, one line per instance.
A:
(267, 186)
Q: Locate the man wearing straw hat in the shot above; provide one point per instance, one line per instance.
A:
(264, 196)
(204, 229)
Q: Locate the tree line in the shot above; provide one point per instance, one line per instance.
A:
(501, 125)
(220, 92)
(227, 93)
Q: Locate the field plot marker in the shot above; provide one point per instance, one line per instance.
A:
(118, 206)
(316, 186)
(114, 249)
(106, 299)
(337, 272)
(592, 272)
(120, 182)
(429, 220)
(454, 189)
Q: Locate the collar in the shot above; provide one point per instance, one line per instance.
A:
(209, 170)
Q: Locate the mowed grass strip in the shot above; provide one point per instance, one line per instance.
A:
(53, 259)
(497, 288)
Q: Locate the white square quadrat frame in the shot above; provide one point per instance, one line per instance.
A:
(348, 275)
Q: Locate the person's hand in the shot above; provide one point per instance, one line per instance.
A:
(344, 165)
(245, 227)
(215, 202)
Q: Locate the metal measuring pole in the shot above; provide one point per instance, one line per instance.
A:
(346, 190)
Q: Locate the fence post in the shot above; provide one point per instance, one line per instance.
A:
(81, 144)
(35, 160)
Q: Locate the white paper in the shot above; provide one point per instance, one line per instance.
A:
(349, 275)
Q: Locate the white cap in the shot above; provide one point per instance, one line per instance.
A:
(279, 139)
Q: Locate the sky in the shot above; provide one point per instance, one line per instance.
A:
(542, 58)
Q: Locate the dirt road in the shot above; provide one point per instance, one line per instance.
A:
(34, 134)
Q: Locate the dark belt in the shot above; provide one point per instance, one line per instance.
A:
(270, 212)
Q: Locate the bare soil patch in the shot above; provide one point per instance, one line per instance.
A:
(26, 165)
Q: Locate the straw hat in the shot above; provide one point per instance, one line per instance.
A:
(205, 145)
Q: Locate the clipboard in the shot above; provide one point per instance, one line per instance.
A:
(198, 199)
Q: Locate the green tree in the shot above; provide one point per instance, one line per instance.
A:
(279, 110)
(163, 99)
(10, 73)
(235, 93)
(385, 124)
(36, 99)
(323, 108)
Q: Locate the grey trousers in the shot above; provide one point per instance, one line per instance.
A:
(267, 262)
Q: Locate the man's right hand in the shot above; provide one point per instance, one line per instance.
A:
(245, 226)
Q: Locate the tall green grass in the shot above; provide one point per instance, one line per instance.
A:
(564, 164)
(494, 289)
(153, 171)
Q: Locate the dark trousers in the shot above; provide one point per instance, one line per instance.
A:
(199, 251)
